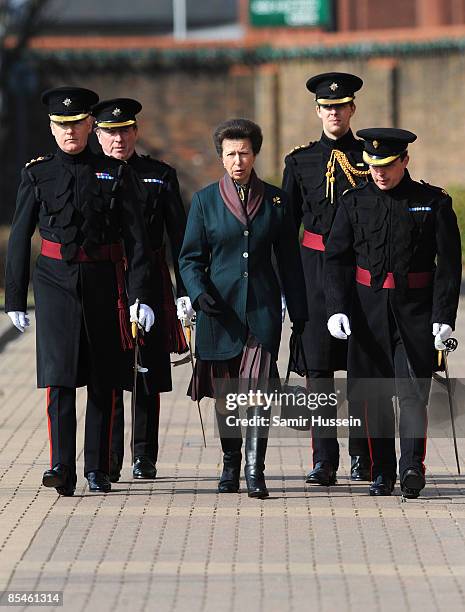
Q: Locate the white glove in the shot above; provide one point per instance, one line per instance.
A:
(283, 308)
(338, 326)
(441, 332)
(184, 309)
(19, 319)
(142, 314)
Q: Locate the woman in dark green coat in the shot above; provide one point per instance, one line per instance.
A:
(233, 229)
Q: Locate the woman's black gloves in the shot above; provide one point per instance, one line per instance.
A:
(209, 305)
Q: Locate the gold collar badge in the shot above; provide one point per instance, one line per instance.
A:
(276, 201)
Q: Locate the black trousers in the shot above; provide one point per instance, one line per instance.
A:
(324, 438)
(412, 395)
(145, 427)
(61, 413)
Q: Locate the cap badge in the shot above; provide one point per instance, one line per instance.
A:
(333, 86)
(67, 102)
(116, 112)
(375, 144)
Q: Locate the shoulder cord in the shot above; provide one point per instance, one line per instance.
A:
(348, 169)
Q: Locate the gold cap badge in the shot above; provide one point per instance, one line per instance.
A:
(333, 86)
(375, 144)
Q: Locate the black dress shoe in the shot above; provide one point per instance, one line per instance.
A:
(61, 478)
(144, 468)
(115, 467)
(98, 481)
(322, 474)
(360, 467)
(412, 483)
(382, 485)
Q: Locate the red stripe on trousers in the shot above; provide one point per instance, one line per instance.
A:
(49, 425)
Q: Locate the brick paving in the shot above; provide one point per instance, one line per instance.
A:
(174, 544)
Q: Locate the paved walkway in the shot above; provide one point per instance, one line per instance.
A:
(175, 544)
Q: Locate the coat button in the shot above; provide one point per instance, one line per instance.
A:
(245, 275)
(246, 232)
(245, 255)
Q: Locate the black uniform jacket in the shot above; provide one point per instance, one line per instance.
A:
(77, 200)
(163, 207)
(305, 181)
(232, 261)
(162, 210)
(411, 228)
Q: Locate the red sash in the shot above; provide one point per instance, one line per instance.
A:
(105, 252)
(416, 280)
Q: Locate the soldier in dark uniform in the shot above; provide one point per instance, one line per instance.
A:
(315, 176)
(393, 267)
(84, 207)
(117, 132)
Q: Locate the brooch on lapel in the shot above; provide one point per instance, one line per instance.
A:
(276, 201)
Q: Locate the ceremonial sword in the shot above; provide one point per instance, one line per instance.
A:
(451, 344)
(188, 330)
(137, 368)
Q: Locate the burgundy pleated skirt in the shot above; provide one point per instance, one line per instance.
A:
(253, 369)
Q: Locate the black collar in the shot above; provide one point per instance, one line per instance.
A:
(79, 158)
(346, 142)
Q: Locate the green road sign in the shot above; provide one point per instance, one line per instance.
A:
(290, 13)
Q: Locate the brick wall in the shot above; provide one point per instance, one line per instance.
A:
(182, 108)
(428, 94)
(369, 14)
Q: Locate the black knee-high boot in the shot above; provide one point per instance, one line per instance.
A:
(255, 449)
(231, 444)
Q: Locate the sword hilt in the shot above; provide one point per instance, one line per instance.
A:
(134, 329)
(451, 344)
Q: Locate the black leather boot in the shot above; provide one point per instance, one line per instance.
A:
(256, 442)
(231, 444)
(229, 479)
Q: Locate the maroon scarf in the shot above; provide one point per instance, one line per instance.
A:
(232, 201)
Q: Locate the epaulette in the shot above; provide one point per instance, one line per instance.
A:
(156, 160)
(301, 147)
(435, 187)
(39, 159)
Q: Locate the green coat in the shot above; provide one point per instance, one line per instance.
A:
(233, 262)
